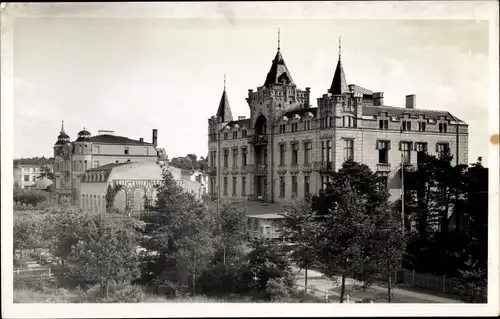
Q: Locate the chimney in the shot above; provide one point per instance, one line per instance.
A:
(141, 139)
(378, 99)
(351, 87)
(155, 137)
(241, 117)
(411, 101)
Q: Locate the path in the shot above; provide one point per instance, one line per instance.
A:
(322, 285)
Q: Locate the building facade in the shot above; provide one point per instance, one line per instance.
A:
(72, 159)
(27, 175)
(136, 181)
(287, 147)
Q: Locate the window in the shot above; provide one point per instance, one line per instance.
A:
(295, 153)
(442, 148)
(126, 150)
(26, 178)
(328, 121)
(235, 157)
(96, 149)
(225, 136)
(282, 128)
(295, 127)
(294, 185)
(85, 165)
(96, 163)
(282, 186)
(383, 152)
(325, 180)
(226, 155)
(348, 150)
(383, 124)
(406, 152)
(235, 134)
(421, 147)
(234, 186)
(421, 126)
(307, 152)
(282, 154)
(225, 186)
(244, 157)
(146, 151)
(443, 127)
(34, 178)
(243, 185)
(347, 121)
(244, 133)
(306, 184)
(307, 125)
(326, 147)
(406, 126)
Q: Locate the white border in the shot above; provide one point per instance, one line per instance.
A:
(232, 12)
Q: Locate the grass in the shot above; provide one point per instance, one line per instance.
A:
(378, 296)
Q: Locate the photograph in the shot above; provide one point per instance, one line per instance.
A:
(228, 154)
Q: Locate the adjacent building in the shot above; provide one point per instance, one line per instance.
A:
(73, 158)
(287, 147)
(26, 176)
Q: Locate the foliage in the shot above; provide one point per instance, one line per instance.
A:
(270, 268)
(111, 195)
(179, 239)
(96, 248)
(34, 161)
(229, 234)
(190, 162)
(29, 197)
(28, 230)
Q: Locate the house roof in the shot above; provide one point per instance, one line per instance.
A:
(339, 82)
(240, 122)
(361, 90)
(302, 112)
(279, 72)
(114, 139)
(398, 111)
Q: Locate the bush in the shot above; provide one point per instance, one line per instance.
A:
(30, 197)
(277, 288)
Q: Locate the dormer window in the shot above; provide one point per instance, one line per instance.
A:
(383, 124)
(421, 126)
(295, 126)
(406, 125)
(126, 151)
(307, 125)
(443, 127)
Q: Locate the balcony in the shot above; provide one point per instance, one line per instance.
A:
(383, 167)
(306, 167)
(235, 169)
(294, 168)
(260, 169)
(323, 166)
(259, 139)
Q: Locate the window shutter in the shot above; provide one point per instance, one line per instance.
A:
(400, 143)
(377, 145)
(388, 145)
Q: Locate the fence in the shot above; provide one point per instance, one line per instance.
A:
(34, 273)
(435, 283)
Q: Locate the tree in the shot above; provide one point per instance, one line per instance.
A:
(388, 245)
(231, 231)
(97, 247)
(300, 228)
(178, 237)
(28, 231)
(343, 237)
(270, 269)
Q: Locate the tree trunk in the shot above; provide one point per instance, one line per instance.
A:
(389, 283)
(305, 279)
(224, 256)
(194, 275)
(342, 288)
(106, 292)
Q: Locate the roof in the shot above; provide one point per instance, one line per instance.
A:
(339, 83)
(398, 111)
(279, 72)
(106, 167)
(84, 132)
(240, 122)
(361, 90)
(302, 112)
(114, 139)
(224, 110)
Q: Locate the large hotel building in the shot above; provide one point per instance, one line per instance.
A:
(287, 147)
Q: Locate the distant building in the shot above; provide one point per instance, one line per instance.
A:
(73, 158)
(137, 181)
(288, 148)
(27, 175)
(268, 226)
(198, 176)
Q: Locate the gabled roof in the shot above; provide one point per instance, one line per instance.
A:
(279, 72)
(339, 82)
(114, 139)
(224, 110)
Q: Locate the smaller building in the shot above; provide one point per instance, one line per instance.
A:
(27, 175)
(136, 186)
(197, 176)
(268, 226)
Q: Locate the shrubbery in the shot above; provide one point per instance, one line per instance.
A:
(30, 197)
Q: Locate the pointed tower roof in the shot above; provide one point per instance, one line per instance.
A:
(339, 82)
(224, 110)
(279, 72)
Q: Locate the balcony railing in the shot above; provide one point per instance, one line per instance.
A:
(323, 166)
(294, 167)
(383, 167)
(258, 139)
(260, 169)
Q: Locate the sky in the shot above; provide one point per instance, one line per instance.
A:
(134, 75)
